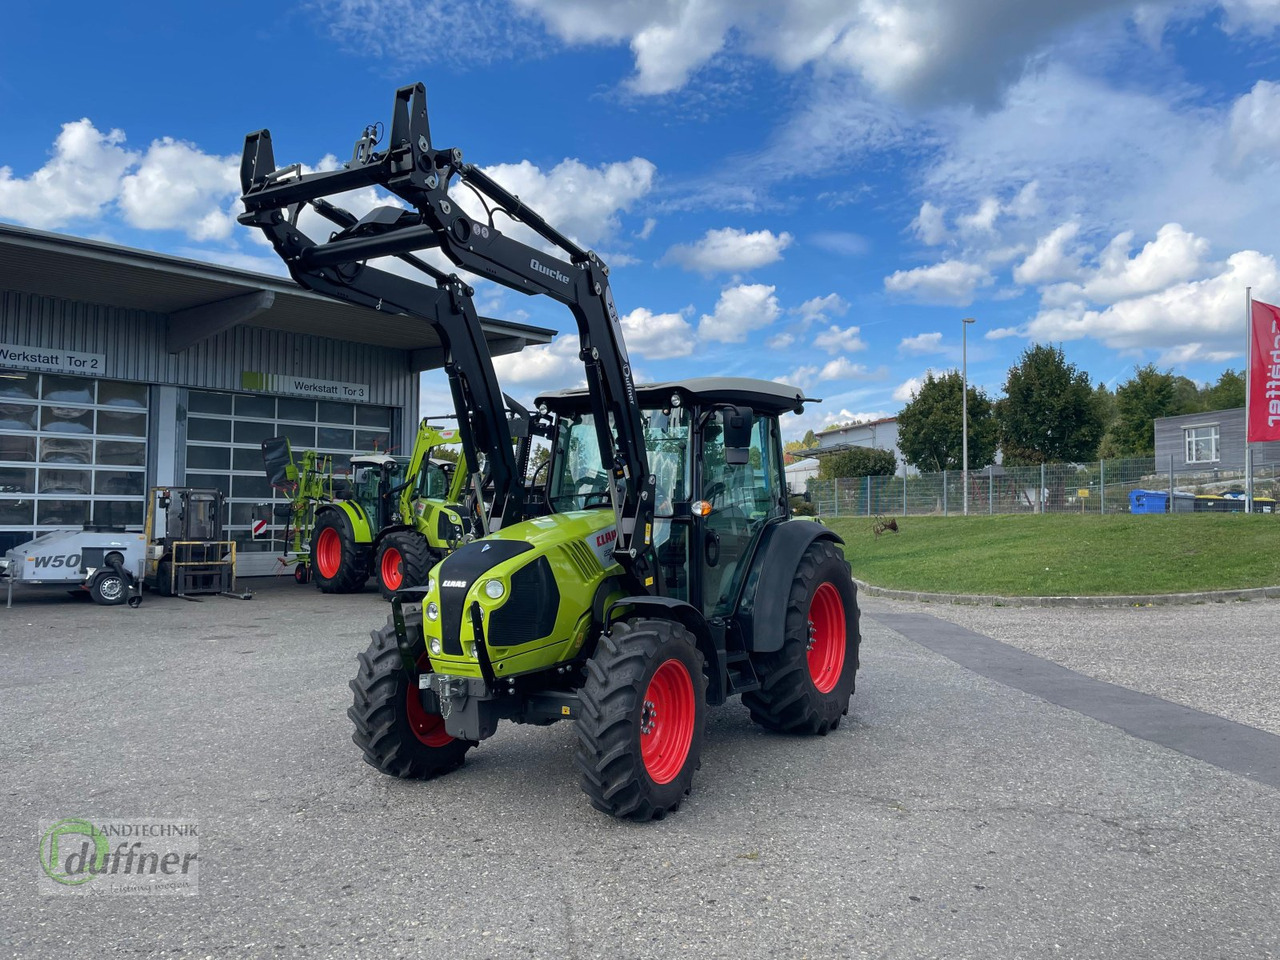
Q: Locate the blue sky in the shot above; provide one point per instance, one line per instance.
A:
(811, 191)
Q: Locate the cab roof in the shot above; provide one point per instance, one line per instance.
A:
(766, 396)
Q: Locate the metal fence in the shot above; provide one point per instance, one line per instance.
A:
(1099, 487)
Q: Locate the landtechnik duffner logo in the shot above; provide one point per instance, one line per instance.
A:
(137, 856)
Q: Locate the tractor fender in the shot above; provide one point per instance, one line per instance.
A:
(686, 614)
(356, 518)
(762, 613)
(386, 531)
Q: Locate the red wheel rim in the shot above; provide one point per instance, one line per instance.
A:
(427, 727)
(392, 568)
(666, 721)
(826, 637)
(328, 552)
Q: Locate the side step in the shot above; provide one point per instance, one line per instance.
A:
(741, 674)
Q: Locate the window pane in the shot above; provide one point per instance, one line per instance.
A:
(122, 424)
(118, 513)
(66, 513)
(199, 401)
(333, 437)
(251, 488)
(255, 406)
(241, 459)
(112, 393)
(330, 412)
(373, 417)
(17, 480)
(301, 438)
(66, 420)
(15, 512)
(209, 481)
(370, 440)
(17, 416)
(297, 410)
(73, 482)
(21, 449)
(68, 389)
(208, 458)
(15, 383)
(59, 450)
(119, 483)
(251, 432)
(120, 453)
(200, 428)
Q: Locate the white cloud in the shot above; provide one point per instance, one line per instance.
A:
(543, 367)
(780, 341)
(1051, 260)
(740, 310)
(1203, 316)
(646, 231)
(904, 391)
(820, 309)
(179, 187)
(580, 201)
(79, 180)
(930, 224)
(658, 336)
(949, 282)
(982, 220)
(840, 340)
(921, 343)
(1253, 128)
(841, 368)
(1256, 16)
(729, 251)
(1174, 255)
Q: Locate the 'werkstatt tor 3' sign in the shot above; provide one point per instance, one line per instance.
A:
(286, 385)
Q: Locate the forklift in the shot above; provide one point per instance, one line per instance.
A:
(187, 551)
(662, 572)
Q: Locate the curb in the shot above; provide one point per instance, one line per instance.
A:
(1153, 600)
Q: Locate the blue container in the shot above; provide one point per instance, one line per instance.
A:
(1148, 501)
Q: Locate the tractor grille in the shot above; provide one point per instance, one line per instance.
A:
(530, 612)
(458, 572)
(582, 560)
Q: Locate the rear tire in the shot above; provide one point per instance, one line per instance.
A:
(404, 560)
(394, 731)
(338, 563)
(805, 687)
(644, 706)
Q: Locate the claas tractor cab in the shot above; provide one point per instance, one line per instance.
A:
(660, 571)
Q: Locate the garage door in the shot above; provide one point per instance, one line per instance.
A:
(72, 451)
(223, 451)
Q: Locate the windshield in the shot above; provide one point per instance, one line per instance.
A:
(581, 481)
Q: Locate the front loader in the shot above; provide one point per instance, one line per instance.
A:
(661, 574)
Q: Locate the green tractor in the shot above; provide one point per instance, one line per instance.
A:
(660, 574)
(396, 520)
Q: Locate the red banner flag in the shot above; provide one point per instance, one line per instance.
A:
(1264, 374)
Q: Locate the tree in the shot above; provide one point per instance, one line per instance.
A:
(1227, 393)
(857, 462)
(1049, 413)
(1148, 394)
(795, 446)
(929, 427)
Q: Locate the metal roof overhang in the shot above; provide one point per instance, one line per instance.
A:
(202, 300)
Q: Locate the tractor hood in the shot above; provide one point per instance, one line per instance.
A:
(530, 586)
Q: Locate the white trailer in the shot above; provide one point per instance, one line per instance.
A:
(108, 563)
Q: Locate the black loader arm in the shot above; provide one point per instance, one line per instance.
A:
(409, 166)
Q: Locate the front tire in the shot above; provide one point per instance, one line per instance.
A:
(109, 589)
(403, 560)
(393, 729)
(339, 564)
(805, 687)
(643, 710)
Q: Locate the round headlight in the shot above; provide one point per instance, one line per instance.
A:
(435, 646)
(493, 589)
(433, 611)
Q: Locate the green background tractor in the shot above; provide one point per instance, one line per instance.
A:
(398, 519)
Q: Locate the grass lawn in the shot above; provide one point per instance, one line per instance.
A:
(1064, 555)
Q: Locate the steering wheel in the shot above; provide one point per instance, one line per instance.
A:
(597, 489)
(601, 498)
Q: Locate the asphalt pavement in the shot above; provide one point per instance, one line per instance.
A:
(953, 815)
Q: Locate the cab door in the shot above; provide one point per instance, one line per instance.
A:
(736, 503)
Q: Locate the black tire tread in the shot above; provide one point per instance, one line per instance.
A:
(382, 730)
(607, 754)
(416, 560)
(787, 701)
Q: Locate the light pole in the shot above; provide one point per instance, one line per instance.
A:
(964, 406)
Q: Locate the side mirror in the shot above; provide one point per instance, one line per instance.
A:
(737, 435)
